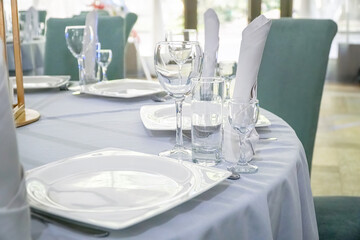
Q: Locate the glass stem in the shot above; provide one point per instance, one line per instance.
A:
(179, 137)
(180, 68)
(104, 73)
(227, 89)
(81, 71)
(98, 73)
(242, 158)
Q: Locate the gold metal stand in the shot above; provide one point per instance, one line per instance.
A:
(22, 116)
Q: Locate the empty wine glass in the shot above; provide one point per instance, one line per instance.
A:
(75, 36)
(242, 118)
(181, 35)
(176, 63)
(227, 70)
(103, 58)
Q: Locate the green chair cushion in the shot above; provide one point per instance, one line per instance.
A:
(292, 73)
(338, 217)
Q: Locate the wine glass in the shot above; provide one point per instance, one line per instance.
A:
(227, 70)
(242, 118)
(75, 37)
(176, 63)
(103, 58)
(181, 35)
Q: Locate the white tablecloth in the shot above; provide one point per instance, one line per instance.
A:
(275, 203)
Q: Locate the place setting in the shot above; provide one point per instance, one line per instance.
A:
(93, 62)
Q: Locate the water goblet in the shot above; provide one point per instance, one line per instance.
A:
(75, 37)
(242, 118)
(227, 70)
(103, 58)
(176, 63)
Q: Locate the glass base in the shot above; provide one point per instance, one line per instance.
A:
(177, 153)
(244, 168)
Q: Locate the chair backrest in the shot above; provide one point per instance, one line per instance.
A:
(292, 74)
(100, 12)
(112, 34)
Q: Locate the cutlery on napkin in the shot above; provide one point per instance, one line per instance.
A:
(14, 209)
(90, 53)
(211, 43)
(251, 49)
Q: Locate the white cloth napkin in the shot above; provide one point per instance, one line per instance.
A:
(251, 49)
(90, 46)
(252, 46)
(14, 210)
(211, 43)
(32, 27)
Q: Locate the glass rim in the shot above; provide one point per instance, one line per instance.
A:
(239, 100)
(206, 79)
(178, 42)
(181, 30)
(227, 61)
(76, 26)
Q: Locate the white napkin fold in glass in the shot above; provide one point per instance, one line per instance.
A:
(90, 46)
(211, 43)
(251, 49)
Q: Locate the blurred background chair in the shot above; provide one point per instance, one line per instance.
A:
(290, 84)
(113, 33)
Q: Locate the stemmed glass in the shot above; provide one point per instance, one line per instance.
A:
(176, 63)
(227, 70)
(103, 58)
(75, 37)
(242, 118)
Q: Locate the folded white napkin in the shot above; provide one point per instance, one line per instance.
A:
(14, 210)
(32, 27)
(252, 46)
(211, 43)
(90, 46)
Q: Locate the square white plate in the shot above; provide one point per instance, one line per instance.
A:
(42, 82)
(123, 88)
(162, 117)
(115, 188)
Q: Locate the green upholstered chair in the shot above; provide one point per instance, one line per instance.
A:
(112, 33)
(100, 12)
(292, 74)
(290, 84)
(338, 217)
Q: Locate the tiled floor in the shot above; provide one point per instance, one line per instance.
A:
(336, 161)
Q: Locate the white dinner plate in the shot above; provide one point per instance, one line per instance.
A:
(42, 82)
(123, 88)
(162, 117)
(114, 188)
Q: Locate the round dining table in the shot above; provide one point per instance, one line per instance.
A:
(274, 203)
